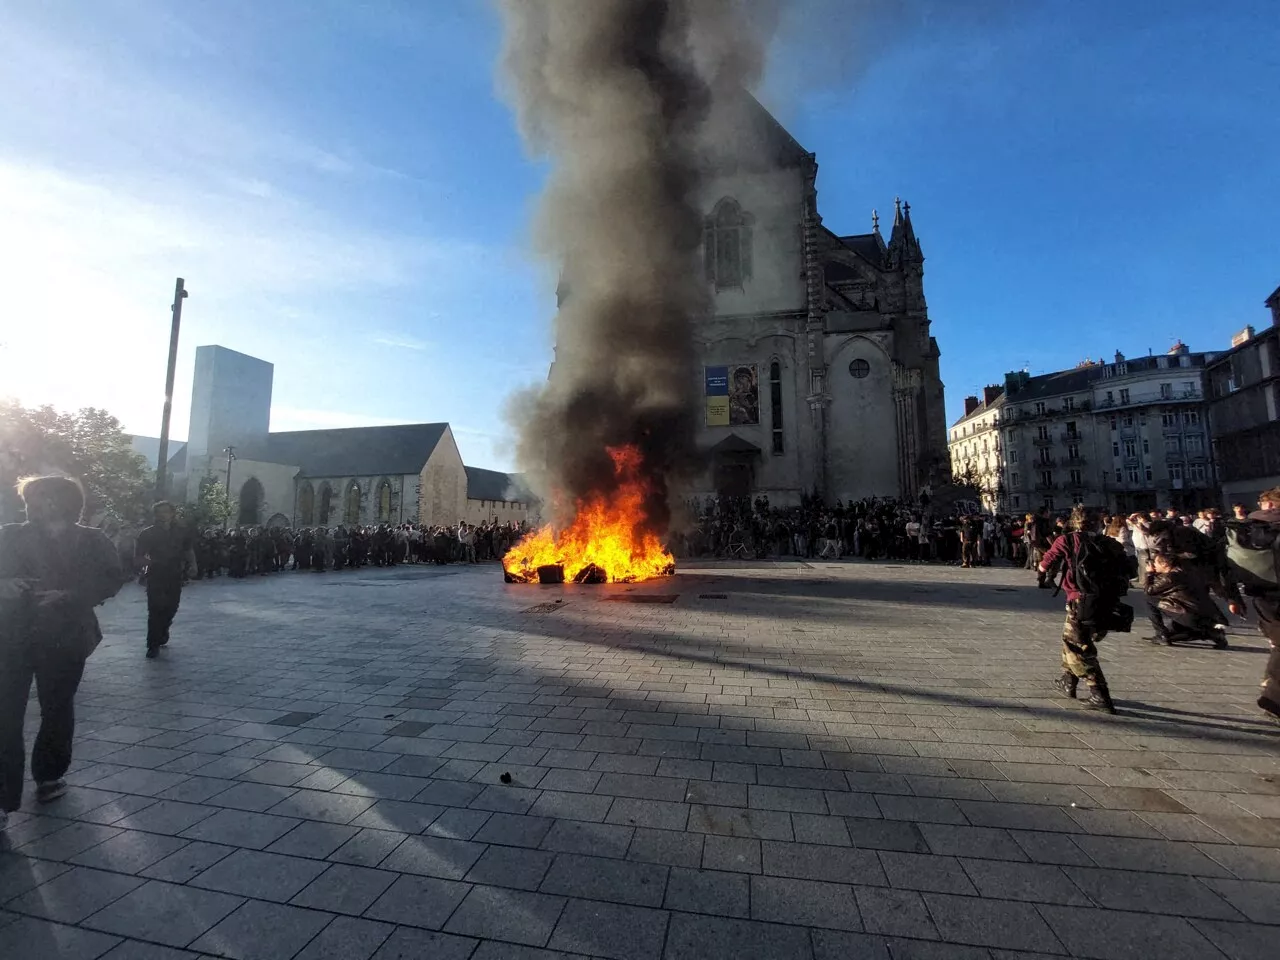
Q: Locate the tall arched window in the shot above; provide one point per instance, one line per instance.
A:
(775, 403)
(384, 501)
(250, 503)
(727, 245)
(326, 505)
(352, 513)
(306, 504)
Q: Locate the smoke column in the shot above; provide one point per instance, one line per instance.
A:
(616, 93)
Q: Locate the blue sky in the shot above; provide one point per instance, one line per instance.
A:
(348, 198)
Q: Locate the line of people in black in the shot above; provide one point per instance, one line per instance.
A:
(256, 551)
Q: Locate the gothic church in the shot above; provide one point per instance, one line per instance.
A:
(819, 373)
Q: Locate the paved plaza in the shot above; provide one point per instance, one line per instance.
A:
(772, 760)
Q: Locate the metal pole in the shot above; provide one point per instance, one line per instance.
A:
(231, 455)
(162, 466)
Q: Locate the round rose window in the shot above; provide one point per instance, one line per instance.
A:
(859, 368)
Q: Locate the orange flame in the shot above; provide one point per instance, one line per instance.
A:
(607, 531)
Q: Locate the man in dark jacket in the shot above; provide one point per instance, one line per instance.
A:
(1079, 633)
(166, 549)
(1181, 609)
(53, 572)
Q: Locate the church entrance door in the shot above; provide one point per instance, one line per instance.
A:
(733, 479)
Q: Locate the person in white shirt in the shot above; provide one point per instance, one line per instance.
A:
(1138, 539)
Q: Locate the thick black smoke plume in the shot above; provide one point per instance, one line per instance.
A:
(616, 93)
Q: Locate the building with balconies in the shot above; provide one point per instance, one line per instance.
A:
(1244, 411)
(975, 448)
(1125, 435)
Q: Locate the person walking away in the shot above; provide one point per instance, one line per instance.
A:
(167, 550)
(1118, 530)
(1095, 576)
(1253, 560)
(53, 572)
(1181, 609)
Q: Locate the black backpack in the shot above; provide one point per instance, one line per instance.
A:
(1101, 570)
(1253, 553)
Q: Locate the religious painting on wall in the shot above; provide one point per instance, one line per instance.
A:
(732, 395)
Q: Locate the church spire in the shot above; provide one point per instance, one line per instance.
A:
(903, 245)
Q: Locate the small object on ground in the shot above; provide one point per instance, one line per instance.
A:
(505, 778)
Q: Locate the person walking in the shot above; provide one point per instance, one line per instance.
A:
(1253, 560)
(1092, 594)
(53, 572)
(166, 549)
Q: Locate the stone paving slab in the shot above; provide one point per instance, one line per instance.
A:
(809, 760)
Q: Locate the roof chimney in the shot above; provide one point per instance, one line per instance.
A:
(990, 393)
(971, 404)
(1119, 357)
(1179, 349)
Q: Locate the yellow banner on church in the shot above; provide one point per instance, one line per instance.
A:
(717, 411)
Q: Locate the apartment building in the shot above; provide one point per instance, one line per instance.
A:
(1244, 411)
(1126, 435)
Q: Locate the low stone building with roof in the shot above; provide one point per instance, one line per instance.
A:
(407, 473)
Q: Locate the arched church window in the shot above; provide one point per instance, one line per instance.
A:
(860, 368)
(307, 505)
(352, 512)
(326, 505)
(250, 503)
(384, 501)
(775, 403)
(727, 245)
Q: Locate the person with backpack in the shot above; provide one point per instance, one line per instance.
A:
(1095, 575)
(1253, 561)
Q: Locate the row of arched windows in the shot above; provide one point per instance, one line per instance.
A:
(321, 513)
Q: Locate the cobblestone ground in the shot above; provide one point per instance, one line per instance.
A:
(789, 760)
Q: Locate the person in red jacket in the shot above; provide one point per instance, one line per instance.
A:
(1079, 636)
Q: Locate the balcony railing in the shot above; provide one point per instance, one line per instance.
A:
(1074, 462)
(1042, 487)
(1043, 441)
(1044, 463)
(1071, 436)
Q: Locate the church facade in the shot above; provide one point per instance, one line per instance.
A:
(819, 371)
(407, 473)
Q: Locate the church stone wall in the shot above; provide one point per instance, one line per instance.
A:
(774, 200)
(862, 433)
(443, 496)
(760, 341)
(503, 511)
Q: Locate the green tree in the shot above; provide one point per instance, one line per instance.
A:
(88, 445)
(212, 506)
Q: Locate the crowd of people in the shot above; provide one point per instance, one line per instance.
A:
(874, 528)
(257, 550)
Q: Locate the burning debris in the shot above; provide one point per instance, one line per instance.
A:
(608, 539)
(617, 92)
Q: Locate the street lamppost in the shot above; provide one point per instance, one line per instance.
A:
(231, 455)
(162, 463)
